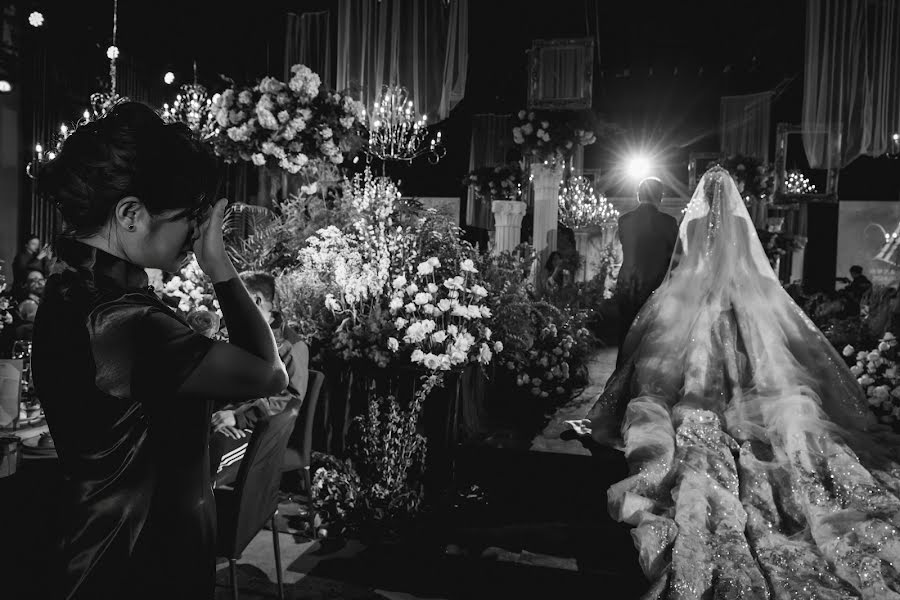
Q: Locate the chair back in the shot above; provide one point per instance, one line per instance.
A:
(301, 440)
(258, 479)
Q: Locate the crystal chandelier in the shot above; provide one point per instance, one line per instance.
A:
(581, 206)
(191, 105)
(100, 104)
(396, 133)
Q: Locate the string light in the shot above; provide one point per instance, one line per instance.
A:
(35, 19)
(580, 206)
(5, 86)
(395, 133)
(169, 78)
(797, 183)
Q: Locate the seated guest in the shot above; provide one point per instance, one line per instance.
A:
(227, 444)
(24, 326)
(33, 287)
(32, 257)
(127, 387)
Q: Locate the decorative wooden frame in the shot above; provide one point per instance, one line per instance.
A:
(539, 48)
(784, 131)
(698, 163)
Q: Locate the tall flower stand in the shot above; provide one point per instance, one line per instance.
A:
(507, 224)
(546, 178)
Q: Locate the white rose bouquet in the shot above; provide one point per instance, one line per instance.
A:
(290, 126)
(878, 373)
(440, 320)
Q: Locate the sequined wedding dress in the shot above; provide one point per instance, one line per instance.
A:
(757, 470)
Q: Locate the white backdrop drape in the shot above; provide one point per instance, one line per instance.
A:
(420, 44)
(745, 124)
(851, 92)
(308, 42)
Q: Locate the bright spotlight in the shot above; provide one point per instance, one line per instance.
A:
(638, 167)
(5, 86)
(169, 78)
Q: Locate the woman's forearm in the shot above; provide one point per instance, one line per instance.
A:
(246, 327)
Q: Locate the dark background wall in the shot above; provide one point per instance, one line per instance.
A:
(661, 67)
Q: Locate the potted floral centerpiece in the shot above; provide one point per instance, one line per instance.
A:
(294, 128)
(401, 322)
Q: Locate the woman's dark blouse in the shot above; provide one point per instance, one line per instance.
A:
(108, 360)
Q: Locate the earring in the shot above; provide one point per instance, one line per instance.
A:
(131, 228)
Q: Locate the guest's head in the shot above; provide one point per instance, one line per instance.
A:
(650, 191)
(132, 185)
(856, 271)
(33, 244)
(34, 283)
(261, 287)
(27, 309)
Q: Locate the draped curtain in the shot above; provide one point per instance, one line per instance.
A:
(308, 42)
(851, 102)
(491, 140)
(419, 44)
(745, 124)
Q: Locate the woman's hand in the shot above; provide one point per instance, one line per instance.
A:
(223, 417)
(209, 246)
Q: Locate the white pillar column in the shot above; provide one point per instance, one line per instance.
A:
(546, 180)
(507, 224)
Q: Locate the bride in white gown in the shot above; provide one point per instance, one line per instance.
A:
(757, 469)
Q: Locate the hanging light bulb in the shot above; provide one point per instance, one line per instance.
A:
(5, 86)
(112, 53)
(169, 77)
(35, 19)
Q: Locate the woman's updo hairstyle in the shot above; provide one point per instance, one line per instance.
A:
(130, 151)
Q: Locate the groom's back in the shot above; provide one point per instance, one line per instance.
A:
(648, 239)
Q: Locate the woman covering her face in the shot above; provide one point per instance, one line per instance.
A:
(127, 385)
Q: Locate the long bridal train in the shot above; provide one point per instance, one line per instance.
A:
(758, 471)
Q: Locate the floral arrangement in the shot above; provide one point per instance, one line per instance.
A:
(382, 483)
(878, 373)
(544, 346)
(5, 317)
(386, 305)
(541, 358)
(545, 136)
(292, 126)
(501, 182)
(190, 293)
(335, 490)
(753, 177)
(580, 206)
(204, 322)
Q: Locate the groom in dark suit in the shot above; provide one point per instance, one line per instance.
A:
(648, 239)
